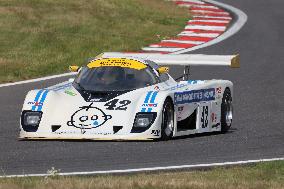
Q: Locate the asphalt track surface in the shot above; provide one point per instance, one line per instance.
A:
(258, 126)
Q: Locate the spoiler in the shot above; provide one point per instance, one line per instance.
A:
(180, 59)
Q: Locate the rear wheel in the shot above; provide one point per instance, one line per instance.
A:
(167, 127)
(226, 111)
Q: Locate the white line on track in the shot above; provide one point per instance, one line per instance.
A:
(194, 166)
(36, 80)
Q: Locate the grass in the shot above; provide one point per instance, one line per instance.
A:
(43, 37)
(258, 176)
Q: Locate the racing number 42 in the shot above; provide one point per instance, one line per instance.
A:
(117, 104)
(204, 116)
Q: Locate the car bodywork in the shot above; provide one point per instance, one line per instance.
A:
(65, 113)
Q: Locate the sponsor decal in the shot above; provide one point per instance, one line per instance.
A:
(213, 117)
(180, 108)
(150, 105)
(35, 103)
(75, 132)
(71, 93)
(219, 90)
(39, 99)
(178, 86)
(157, 88)
(192, 81)
(216, 125)
(155, 132)
(187, 97)
(88, 117)
(149, 102)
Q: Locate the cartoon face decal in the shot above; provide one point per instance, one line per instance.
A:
(88, 117)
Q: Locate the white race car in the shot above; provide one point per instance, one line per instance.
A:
(130, 96)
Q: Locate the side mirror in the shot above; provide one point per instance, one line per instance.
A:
(74, 68)
(163, 70)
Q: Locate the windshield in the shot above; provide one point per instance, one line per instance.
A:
(114, 78)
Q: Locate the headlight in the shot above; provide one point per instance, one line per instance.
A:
(30, 120)
(143, 121)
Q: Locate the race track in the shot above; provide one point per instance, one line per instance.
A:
(258, 126)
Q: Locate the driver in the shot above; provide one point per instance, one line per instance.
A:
(113, 75)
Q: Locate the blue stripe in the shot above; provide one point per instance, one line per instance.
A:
(148, 97)
(154, 97)
(143, 110)
(36, 99)
(42, 100)
(149, 110)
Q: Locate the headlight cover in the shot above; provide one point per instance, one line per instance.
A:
(143, 121)
(30, 120)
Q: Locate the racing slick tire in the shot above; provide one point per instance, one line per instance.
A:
(226, 111)
(167, 126)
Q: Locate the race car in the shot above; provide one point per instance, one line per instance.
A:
(130, 96)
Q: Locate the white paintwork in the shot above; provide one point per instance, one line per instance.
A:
(162, 49)
(65, 110)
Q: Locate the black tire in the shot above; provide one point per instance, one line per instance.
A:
(167, 127)
(226, 111)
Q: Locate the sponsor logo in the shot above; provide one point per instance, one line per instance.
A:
(71, 93)
(216, 125)
(35, 103)
(150, 105)
(187, 97)
(156, 132)
(178, 86)
(219, 90)
(180, 109)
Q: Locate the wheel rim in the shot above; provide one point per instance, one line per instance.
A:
(168, 119)
(229, 112)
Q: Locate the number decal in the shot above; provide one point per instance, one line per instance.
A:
(111, 105)
(204, 117)
(123, 105)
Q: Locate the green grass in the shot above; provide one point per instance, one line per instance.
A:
(258, 176)
(43, 37)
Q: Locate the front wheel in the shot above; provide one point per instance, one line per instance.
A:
(226, 111)
(167, 127)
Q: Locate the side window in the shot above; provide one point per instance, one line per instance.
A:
(164, 77)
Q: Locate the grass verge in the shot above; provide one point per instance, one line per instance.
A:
(257, 176)
(39, 38)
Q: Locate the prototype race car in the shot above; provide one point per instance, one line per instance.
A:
(130, 96)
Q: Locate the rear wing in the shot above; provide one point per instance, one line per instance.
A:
(180, 59)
